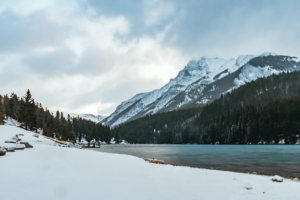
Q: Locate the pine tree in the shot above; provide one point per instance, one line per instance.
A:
(13, 106)
(27, 111)
(40, 116)
(1, 113)
(5, 105)
(117, 138)
(46, 131)
(56, 123)
(107, 135)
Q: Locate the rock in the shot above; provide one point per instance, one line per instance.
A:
(254, 172)
(296, 179)
(20, 147)
(10, 141)
(2, 151)
(10, 149)
(27, 145)
(277, 178)
(16, 138)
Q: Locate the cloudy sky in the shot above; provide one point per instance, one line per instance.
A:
(88, 56)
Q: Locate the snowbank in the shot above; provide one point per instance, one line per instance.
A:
(51, 172)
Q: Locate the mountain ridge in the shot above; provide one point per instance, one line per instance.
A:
(201, 82)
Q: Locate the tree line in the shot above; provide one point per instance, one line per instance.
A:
(33, 116)
(264, 123)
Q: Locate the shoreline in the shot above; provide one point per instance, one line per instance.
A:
(241, 172)
(211, 168)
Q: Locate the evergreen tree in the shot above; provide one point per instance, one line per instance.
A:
(1, 113)
(27, 111)
(5, 105)
(56, 124)
(13, 106)
(40, 115)
(117, 138)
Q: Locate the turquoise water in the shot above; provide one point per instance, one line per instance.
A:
(282, 160)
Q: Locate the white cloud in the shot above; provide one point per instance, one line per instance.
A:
(156, 11)
(81, 60)
(88, 56)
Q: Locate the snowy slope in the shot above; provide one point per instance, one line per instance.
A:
(124, 105)
(50, 172)
(260, 66)
(192, 72)
(200, 82)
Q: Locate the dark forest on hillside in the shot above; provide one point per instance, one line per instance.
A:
(266, 123)
(158, 128)
(261, 111)
(251, 115)
(33, 116)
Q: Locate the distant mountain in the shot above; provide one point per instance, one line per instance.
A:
(201, 82)
(94, 118)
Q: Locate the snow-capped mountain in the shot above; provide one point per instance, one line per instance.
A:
(201, 82)
(94, 118)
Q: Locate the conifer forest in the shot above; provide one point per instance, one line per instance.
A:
(33, 116)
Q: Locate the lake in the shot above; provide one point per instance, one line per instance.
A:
(282, 160)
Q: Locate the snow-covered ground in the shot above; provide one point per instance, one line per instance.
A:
(51, 172)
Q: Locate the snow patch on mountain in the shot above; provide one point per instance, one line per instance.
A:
(295, 59)
(124, 105)
(250, 73)
(242, 60)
